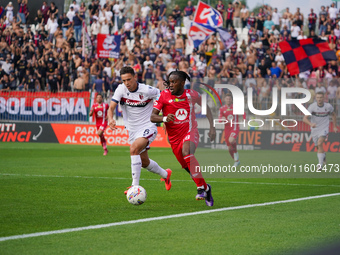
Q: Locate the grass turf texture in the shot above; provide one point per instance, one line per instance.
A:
(52, 187)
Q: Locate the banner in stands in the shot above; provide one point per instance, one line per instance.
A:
(108, 46)
(44, 106)
(86, 134)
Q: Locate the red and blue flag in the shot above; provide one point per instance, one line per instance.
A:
(208, 16)
(306, 54)
(2, 11)
(199, 34)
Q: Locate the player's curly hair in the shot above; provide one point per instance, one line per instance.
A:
(182, 76)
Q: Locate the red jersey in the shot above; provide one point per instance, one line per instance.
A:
(100, 112)
(274, 46)
(251, 21)
(312, 18)
(137, 22)
(183, 108)
(154, 20)
(220, 8)
(227, 112)
(172, 24)
(144, 27)
(332, 39)
(230, 13)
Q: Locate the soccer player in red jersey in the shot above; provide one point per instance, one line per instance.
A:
(177, 105)
(231, 129)
(99, 109)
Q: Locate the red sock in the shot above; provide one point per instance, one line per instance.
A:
(103, 141)
(232, 149)
(196, 175)
(234, 145)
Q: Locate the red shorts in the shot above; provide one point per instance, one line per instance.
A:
(102, 126)
(230, 133)
(194, 137)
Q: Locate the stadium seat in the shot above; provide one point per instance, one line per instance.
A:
(184, 31)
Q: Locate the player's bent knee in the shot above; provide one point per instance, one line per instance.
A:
(134, 150)
(185, 152)
(320, 142)
(232, 140)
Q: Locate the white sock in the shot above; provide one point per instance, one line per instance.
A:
(236, 157)
(155, 168)
(321, 156)
(136, 166)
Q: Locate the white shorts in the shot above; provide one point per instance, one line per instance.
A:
(317, 134)
(149, 133)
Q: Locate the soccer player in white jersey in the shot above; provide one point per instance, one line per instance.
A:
(136, 101)
(319, 124)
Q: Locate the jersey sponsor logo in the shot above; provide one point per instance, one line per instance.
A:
(179, 100)
(320, 114)
(230, 117)
(134, 103)
(181, 114)
(99, 113)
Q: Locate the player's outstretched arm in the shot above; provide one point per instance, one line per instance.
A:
(110, 112)
(156, 118)
(212, 131)
(334, 122)
(91, 112)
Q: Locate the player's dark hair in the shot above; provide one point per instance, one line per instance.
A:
(99, 94)
(320, 93)
(181, 75)
(127, 69)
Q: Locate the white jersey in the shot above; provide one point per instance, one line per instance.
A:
(136, 106)
(320, 116)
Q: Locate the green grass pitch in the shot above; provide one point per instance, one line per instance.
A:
(47, 187)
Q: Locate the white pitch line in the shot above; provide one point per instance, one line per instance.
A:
(287, 184)
(100, 226)
(143, 179)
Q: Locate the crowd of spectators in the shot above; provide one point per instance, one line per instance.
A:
(46, 54)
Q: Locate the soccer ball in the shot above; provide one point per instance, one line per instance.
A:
(136, 195)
